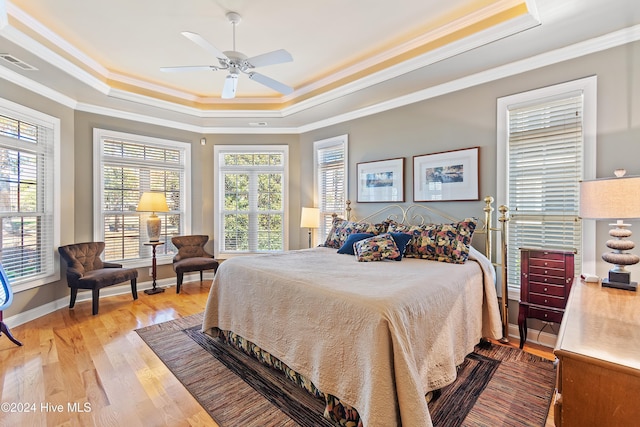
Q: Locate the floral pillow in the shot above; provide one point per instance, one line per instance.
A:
(413, 231)
(445, 242)
(341, 229)
(377, 248)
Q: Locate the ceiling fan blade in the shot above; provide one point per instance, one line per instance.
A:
(200, 41)
(271, 58)
(188, 68)
(230, 86)
(269, 82)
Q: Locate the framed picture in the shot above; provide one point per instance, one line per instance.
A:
(449, 175)
(381, 181)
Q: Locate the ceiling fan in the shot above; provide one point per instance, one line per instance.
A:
(237, 62)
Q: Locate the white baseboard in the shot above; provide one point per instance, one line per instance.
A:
(544, 338)
(125, 288)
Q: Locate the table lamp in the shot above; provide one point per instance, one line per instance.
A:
(614, 198)
(310, 218)
(153, 202)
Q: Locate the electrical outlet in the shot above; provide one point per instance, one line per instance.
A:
(150, 271)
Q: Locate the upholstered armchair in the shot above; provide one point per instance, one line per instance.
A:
(191, 256)
(85, 270)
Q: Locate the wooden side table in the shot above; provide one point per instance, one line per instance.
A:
(154, 289)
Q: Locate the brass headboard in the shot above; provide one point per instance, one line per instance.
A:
(420, 214)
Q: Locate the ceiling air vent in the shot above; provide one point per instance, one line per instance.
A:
(15, 61)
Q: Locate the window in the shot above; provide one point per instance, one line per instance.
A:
(126, 165)
(252, 199)
(548, 147)
(29, 195)
(330, 164)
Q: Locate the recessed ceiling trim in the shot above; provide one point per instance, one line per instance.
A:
(501, 30)
(191, 111)
(44, 32)
(460, 24)
(587, 47)
(143, 84)
(102, 86)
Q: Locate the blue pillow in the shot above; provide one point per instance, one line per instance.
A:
(401, 240)
(347, 247)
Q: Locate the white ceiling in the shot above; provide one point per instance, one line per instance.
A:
(351, 58)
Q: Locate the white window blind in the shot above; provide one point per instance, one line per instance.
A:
(545, 152)
(331, 180)
(128, 166)
(252, 193)
(26, 199)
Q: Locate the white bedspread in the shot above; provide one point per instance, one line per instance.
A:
(377, 335)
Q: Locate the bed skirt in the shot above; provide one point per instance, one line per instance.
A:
(338, 413)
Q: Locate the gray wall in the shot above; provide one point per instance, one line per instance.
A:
(466, 118)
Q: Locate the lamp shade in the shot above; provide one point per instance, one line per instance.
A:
(610, 198)
(310, 218)
(152, 201)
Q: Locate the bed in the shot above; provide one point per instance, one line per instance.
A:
(373, 337)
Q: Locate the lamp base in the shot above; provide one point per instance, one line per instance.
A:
(153, 291)
(631, 286)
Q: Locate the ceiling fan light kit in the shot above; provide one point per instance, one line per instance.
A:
(237, 62)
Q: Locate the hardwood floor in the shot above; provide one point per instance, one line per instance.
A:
(72, 362)
(79, 369)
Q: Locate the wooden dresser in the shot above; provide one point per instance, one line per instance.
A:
(598, 350)
(545, 281)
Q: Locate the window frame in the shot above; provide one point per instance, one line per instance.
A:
(588, 86)
(318, 196)
(99, 135)
(218, 151)
(52, 184)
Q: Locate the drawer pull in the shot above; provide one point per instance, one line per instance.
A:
(546, 289)
(546, 315)
(545, 279)
(546, 263)
(546, 302)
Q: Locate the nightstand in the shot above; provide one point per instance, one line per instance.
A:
(545, 282)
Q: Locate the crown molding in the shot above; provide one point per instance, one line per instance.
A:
(607, 41)
(488, 35)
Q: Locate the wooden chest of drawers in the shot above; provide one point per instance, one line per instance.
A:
(545, 282)
(598, 350)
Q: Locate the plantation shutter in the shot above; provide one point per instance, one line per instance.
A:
(331, 179)
(545, 167)
(26, 199)
(129, 168)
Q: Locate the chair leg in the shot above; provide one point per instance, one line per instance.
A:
(180, 276)
(201, 276)
(4, 329)
(95, 297)
(134, 288)
(74, 294)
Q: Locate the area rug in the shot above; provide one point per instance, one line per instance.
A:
(496, 385)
